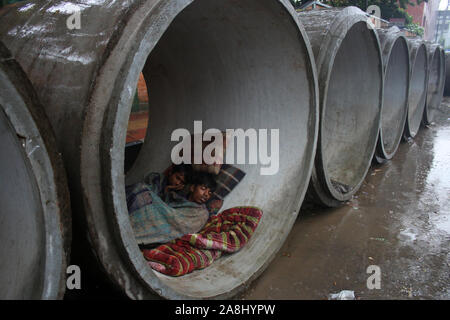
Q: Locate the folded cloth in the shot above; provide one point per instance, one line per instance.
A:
(226, 232)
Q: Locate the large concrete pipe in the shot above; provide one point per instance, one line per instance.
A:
(395, 52)
(435, 82)
(417, 86)
(232, 64)
(349, 68)
(34, 198)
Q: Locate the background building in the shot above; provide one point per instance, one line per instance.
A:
(425, 15)
(442, 35)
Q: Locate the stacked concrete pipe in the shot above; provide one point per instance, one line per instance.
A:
(349, 68)
(232, 64)
(35, 207)
(447, 74)
(444, 72)
(394, 48)
(417, 86)
(435, 82)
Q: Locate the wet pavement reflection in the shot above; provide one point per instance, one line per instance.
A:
(398, 221)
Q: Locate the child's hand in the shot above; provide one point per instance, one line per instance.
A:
(174, 188)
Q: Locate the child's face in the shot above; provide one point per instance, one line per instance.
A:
(176, 179)
(200, 194)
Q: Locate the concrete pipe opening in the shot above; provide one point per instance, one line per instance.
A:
(230, 64)
(350, 73)
(417, 87)
(34, 213)
(435, 83)
(394, 48)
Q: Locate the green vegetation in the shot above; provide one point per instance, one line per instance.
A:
(415, 28)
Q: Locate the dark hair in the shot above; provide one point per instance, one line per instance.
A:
(186, 169)
(204, 178)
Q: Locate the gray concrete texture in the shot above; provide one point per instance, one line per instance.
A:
(35, 207)
(232, 64)
(395, 53)
(436, 82)
(349, 67)
(447, 74)
(417, 86)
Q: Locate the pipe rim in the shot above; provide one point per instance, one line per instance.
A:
(443, 73)
(433, 100)
(382, 154)
(27, 118)
(130, 255)
(411, 129)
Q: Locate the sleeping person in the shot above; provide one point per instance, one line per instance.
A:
(157, 221)
(174, 180)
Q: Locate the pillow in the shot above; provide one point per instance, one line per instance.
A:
(227, 179)
(218, 159)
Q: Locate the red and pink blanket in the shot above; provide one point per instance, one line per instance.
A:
(226, 232)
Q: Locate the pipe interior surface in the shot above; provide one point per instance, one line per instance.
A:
(34, 213)
(447, 74)
(417, 90)
(443, 75)
(22, 232)
(395, 96)
(351, 114)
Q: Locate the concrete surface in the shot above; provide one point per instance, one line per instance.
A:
(400, 221)
(350, 75)
(35, 219)
(417, 86)
(395, 53)
(435, 84)
(447, 74)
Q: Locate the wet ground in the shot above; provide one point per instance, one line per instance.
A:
(398, 221)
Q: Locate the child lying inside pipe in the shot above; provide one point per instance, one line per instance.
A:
(223, 233)
(173, 181)
(156, 221)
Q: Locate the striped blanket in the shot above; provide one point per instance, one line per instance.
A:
(226, 232)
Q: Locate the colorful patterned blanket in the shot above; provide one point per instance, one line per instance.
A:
(226, 232)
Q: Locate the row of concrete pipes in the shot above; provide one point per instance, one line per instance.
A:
(340, 91)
